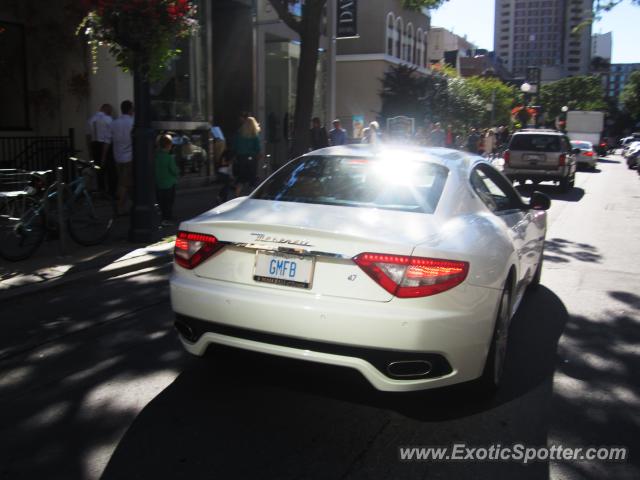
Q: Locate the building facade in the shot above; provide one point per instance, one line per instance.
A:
(243, 59)
(617, 78)
(389, 35)
(602, 45)
(544, 34)
(444, 45)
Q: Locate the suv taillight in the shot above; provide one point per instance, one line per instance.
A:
(411, 277)
(194, 248)
(506, 156)
(563, 160)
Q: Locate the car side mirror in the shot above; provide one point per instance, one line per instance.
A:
(539, 201)
(576, 151)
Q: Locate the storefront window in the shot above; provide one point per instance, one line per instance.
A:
(13, 80)
(181, 96)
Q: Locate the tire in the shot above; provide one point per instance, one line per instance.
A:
(566, 184)
(491, 377)
(91, 217)
(21, 233)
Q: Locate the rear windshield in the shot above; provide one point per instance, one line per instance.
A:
(535, 143)
(407, 185)
(583, 145)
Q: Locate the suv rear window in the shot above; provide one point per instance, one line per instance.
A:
(393, 184)
(535, 143)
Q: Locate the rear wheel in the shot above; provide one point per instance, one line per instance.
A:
(91, 217)
(566, 184)
(494, 366)
(22, 229)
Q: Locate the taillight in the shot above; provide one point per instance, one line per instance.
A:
(563, 160)
(588, 153)
(194, 248)
(506, 156)
(410, 277)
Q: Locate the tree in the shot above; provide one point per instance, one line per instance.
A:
(630, 96)
(439, 96)
(308, 28)
(577, 93)
(492, 90)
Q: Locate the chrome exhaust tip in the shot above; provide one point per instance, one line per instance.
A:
(184, 330)
(409, 368)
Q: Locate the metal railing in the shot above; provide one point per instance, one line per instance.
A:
(37, 152)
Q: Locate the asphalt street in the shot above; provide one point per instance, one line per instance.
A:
(94, 383)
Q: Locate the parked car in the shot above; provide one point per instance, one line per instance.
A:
(587, 155)
(404, 263)
(631, 153)
(539, 155)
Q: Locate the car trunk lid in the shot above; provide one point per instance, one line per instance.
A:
(322, 240)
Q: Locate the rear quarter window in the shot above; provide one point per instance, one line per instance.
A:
(536, 143)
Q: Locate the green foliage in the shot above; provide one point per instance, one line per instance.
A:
(504, 97)
(140, 35)
(630, 96)
(418, 4)
(577, 93)
(441, 96)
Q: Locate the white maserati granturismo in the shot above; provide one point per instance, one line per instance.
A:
(405, 263)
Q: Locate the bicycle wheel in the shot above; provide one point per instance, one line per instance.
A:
(91, 217)
(22, 229)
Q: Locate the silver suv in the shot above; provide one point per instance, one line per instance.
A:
(540, 155)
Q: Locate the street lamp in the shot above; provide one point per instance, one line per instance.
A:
(525, 88)
(563, 121)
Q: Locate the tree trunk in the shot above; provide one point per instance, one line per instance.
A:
(309, 43)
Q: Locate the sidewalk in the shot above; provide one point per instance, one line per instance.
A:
(49, 268)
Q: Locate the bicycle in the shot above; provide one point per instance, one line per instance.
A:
(89, 215)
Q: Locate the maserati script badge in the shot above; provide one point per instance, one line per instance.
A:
(261, 237)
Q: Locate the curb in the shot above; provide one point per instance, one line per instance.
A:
(99, 272)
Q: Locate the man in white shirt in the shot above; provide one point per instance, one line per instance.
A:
(99, 136)
(121, 129)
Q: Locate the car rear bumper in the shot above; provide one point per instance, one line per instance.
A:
(538, 174)
(452, 336)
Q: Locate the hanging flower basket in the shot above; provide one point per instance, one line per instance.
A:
(140, 34)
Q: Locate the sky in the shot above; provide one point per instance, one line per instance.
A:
(474, 18)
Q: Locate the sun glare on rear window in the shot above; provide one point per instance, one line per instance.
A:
(377, 182)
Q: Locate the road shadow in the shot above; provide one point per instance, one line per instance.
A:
(243, 415)
(553, 191)
(608, 160)
(598, 379)
(84, 358)
(560, 250)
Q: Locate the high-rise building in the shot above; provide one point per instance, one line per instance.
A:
(601, 45)
(542, 33)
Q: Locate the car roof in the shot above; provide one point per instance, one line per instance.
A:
(538, 131)
(447, 157)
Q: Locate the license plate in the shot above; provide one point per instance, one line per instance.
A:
(284, 269)
(533, 159)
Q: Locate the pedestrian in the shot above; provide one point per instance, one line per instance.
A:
(437, 136)
(337, 135)
(99, 136)
(473, 141)
(370, 134)
(166, 178)
(247, 149)
(318, 135)
(121, 129)
(490, 143)
(449, 140)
